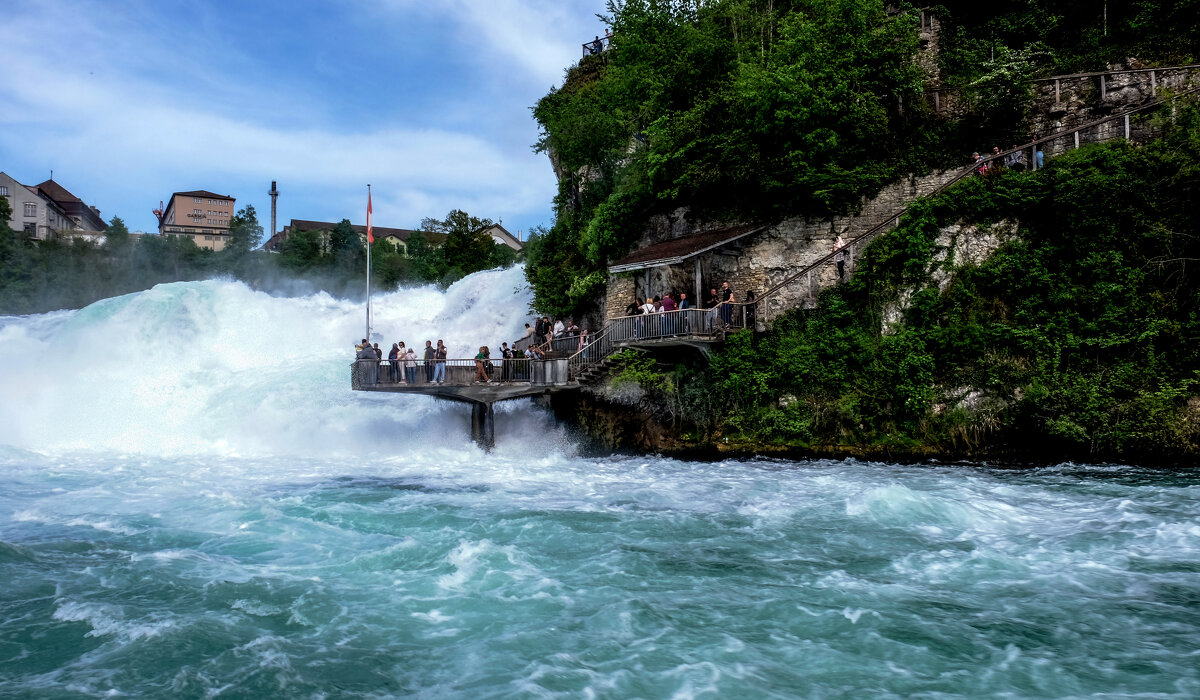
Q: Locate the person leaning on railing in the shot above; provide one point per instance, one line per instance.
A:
(481, 359)
(439, 369)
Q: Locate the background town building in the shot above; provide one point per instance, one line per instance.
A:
(500, 234)
(47, 211)
(200, 215)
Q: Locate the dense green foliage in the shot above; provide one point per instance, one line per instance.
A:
(735, 108)
(1080, 336)
(761, 109)
(38, 276)
(1068, 36)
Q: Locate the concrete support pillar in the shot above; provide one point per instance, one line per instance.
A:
(697, 299)
(483, 425)
(1126, 127)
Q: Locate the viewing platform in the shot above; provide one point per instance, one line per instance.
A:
(507, 379)
(570, 362)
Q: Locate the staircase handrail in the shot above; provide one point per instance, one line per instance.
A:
(967, 171)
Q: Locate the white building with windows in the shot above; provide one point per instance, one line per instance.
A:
(34, 213)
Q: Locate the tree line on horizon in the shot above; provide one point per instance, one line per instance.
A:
(39, 276)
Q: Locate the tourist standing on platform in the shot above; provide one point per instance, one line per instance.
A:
(410, 366)
(429, 355)
(684, 305)
(394, 361)
(559, 328)
(649, 322)
(669, 322)
(481, 376)
(366, 352)
(726, 303)
(439, 368)
(506, 356)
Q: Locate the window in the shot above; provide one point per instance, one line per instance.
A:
(4, 190)
(198, 200)
(208, 238)
(30, 209)
(31, 228)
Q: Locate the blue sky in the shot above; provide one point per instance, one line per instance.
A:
(426, 100)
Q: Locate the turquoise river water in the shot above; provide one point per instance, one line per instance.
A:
(194, 504)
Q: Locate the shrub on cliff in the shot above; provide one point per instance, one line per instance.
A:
(1079, 337)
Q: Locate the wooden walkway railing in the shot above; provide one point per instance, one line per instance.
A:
(1102, 76)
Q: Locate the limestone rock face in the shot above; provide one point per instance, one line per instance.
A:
(957, 247)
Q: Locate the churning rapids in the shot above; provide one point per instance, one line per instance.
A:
(194, 504)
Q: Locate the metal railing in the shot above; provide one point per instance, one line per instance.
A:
(597, 46)
(681, 324)
(1058, 80)
(1104, 75)
(453, 372)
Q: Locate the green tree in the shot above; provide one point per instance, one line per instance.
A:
(467, 248)
(116, 237)
(347, 251)
(302, 251)
(245, 233)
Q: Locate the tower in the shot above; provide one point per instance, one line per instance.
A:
(274, 196)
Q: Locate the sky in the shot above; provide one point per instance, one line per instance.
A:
(428, 101)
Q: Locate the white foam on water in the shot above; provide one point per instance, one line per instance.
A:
(108, 620)
(215, 367)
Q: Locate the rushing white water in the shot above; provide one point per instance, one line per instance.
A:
(194, 504)
(216, 368)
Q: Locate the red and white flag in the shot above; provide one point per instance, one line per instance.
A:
(370, 235)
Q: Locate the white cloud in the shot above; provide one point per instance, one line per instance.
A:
(540, 38)
(105, 111)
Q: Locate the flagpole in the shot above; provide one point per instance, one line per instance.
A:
(369, 237)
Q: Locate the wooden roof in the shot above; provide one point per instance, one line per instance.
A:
(676, 250)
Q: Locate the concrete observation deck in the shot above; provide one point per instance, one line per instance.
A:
(508, 379)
